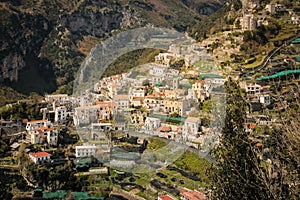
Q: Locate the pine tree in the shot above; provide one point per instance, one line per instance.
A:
(234, 175)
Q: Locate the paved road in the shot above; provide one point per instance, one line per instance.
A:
(270, 55)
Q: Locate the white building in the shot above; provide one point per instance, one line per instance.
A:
(42, 135)
(122, 101)
(158, 70)
(151, 124)
(85, 151)
(95, 113)
(265, 99)
(61, 114)
(191, 127)
(137, 92)
(34, 125)
(40, 157)
(164, 58)
(57, 98)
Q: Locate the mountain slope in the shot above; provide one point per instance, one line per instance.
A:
(43, 42)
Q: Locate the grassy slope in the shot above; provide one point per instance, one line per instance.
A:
(8, 95)
(132, 59)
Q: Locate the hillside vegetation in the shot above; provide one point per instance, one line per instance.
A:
(44, 42)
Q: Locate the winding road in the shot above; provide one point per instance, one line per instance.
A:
(270, 55)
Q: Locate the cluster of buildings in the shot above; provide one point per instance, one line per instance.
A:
(159, 101)
(249, 21)
(258, 97)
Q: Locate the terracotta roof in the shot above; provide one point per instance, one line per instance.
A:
(165, 128)
(40, 154)
(192, 195)
(137, 99)
(116, 77)
(106, 104)
(251, 126)
(37, 121)
(57, 95)
(46, 128)
(259, 144)
(152, 96)
(166, 197)
(98, 105)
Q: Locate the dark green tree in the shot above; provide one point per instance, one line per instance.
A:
(234, 175)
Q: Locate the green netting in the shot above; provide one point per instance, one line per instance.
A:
(84, 196)
(165, 117)
(283, 73)
(59, 194)
(203, 76)
(296, 41)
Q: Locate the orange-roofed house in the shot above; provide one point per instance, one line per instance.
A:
(42, 131)
(40, 157)
(186, 194)
(152, 102)
(137, 101)
(33, 125)
(166, 197)
(44, 135)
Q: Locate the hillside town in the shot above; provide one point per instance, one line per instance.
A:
(176, 103)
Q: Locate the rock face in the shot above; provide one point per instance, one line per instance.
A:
(39, 40)
(21, 35)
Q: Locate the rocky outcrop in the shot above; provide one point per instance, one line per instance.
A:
(39, 43)
(22, 35)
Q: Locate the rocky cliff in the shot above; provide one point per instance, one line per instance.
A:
(43, 42)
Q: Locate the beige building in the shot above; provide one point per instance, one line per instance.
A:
(122, 101)
(176, 106)
(44, 135)
(249, 22)
(200, 89)
(102, 111)
(191, 127)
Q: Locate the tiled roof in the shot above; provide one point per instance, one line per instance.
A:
(40, 154)
(165, 128)
(37, 121)
(152, 96)
(192, 195)
(57, 95)
(166, 197)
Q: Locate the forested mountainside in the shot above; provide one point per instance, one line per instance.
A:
(43, 42)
